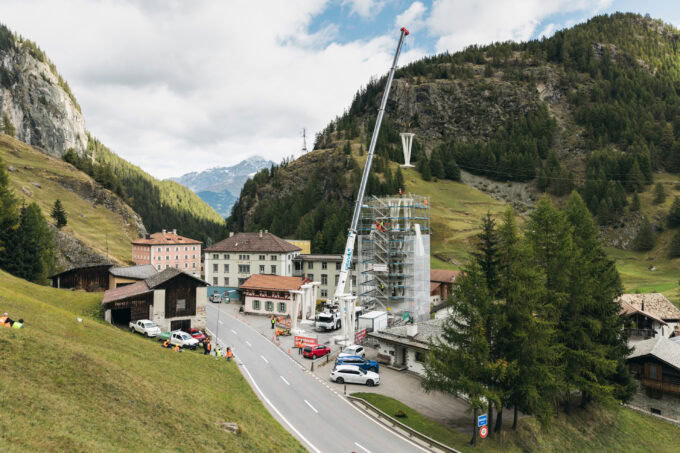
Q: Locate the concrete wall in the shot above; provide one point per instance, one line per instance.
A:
(668, 405)
(395, 354)
(159, 310)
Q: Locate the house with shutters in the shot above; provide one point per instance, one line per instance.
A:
(168, 249)
(649, 315)
(276, 295)
(173, 299)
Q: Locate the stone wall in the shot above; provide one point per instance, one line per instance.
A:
(668, 406)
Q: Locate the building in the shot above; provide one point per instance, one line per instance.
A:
(649, 315)
(100, 277)
(127, 275)
(324, 269)
(405, 347)
(394, 255)
(168, 249)
(655, 363)
(276, 295)
(230, 262)
(441, 284)
(171, 298)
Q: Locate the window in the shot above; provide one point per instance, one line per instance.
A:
(226, 268)
(226, 257)
(176, 257)
(273, 257)
(652, 372)
(310, 276)
(268, 306)
(176, 249)
(420, 356)
(159, 258)
(324, 265)
(216, 267)
(159, 249)
(354, 266)
(186, 257)
(193, 257)
(159, 267)
(241, 281)
(181, 304)
(261, 268)
(216, 256)
(354, 281)
(176, 265)
(324, 279)
(263, 257)
(337, 266)
(324, 293)
(310, 265)
(167, 266)
(193, 248)
(167, 257)
(244, 257)
(193, 265)
(282, 307)
(273, 268)
(186, 265)
(337, 279)
(244, 268)
(256, 305)
(215, 281)
(167, 249)
(226, 281)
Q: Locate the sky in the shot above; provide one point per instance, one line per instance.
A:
(178, 86)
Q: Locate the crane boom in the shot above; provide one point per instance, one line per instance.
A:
(351, 237)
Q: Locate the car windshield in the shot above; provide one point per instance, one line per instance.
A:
(325, 318)
(186, 337)
(149, 325)
(362, 371)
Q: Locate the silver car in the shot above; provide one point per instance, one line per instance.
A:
(352, 374)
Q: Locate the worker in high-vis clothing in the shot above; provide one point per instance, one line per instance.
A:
(229, 354)
(207, 347)
(19, 324)
(166, 344)
(273, 320)
(299, 345)
(177, 349)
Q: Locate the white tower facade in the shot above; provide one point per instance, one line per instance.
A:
(406, 143)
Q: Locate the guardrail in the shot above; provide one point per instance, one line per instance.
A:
(431, 443)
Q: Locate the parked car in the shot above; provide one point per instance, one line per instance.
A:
(368, 365)
(352, 350)
(145, 327)
(180, 338)
(197, 334)
(216, 298)
(313, 352)
(352, 374)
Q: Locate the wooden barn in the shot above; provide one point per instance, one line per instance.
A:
(93, 277)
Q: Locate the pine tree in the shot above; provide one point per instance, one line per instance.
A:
(451, 170)
(437, 167)
(635, 203)
(644, 241)
(9, 217)
(487, 252)
(399, 180)
(659, 194)
(674, 213)
(635, 180)
(8, 127)
(33, 247)
(425, 170)
(59, 214)
(674, 250)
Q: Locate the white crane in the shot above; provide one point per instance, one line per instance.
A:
(344, 300)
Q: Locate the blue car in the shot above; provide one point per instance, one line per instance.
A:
(368, 365)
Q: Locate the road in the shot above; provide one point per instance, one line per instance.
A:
(320, 418)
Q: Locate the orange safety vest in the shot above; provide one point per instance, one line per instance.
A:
(3, 319)
(176, 348)
(229, 354)
(165, 343)
(209, 347)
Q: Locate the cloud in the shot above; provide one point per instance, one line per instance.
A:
(413, 17)
(457, 24)
(548, 31)
(182, 86)
(365, 8)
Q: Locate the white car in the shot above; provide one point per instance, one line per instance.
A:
(145, 327)
(352, 350)
(352, 374)
(183, 339)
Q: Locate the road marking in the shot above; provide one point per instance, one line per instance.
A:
(279, 413)
(221, 322)
(284, 380)
(234, 331)
(248, 343)
(264, 359)
(363, 448)
(311, 406)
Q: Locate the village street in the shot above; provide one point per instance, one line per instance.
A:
(321, 418)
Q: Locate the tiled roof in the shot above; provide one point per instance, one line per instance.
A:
(628, 309)
(655, 304)
(168, 274)
(124, 292)
(443, 276)
(253, 242)
(140, 272)
(660, 347)
(272, 282)
(434, 286)
(427, 330)
(165, 238)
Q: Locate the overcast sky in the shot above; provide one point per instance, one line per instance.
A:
(177, 86)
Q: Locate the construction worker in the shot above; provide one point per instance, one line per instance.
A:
(207, 347)
(4, 318)
(166, 344)
(218, 353)
(229, 354)
(177, 349)
(273, 320)
(19, 324)
(299, 345)
(400, 192)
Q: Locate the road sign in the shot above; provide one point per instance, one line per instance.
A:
(483, 431)
(360, 335)
(481, 420)
(306, 341)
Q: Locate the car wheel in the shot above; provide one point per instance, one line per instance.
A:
(374, 369)
(340, 380)
(370, 383)
(132, 330)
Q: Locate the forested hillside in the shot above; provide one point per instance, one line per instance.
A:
(594, 108)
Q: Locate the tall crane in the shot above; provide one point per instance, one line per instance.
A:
(341, 298)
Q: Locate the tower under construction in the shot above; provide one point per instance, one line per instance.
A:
(394, 255)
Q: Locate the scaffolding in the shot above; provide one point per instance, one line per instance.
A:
(394, 255)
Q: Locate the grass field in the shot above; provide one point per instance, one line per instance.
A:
(94, 225)
(600, 430)
(70, 386)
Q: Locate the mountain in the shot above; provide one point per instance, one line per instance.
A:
(38, 107)
(220, 186)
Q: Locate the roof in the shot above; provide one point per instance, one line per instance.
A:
(373, 314)
(655, 304)
(628, 309)
(140, 272)
(427, 331)
(168, 274)
(124, 292)
(318, 257)
(662, 348)
(165, 238)
(434, 286)
(272, 282)
(443, 276)
(253, 242)
(77, 268)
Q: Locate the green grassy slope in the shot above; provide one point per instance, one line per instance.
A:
(87, 222)
(603, 430)
(69, 386)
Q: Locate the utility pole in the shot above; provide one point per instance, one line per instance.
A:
(304, 140)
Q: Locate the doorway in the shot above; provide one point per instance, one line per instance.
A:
(121, 317)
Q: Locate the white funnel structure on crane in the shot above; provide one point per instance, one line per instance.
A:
(406, 143)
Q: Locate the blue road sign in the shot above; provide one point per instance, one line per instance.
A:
(481, 421)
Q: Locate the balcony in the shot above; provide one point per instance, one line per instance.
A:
(668, 387)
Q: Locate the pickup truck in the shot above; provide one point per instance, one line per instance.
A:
(180, 338)
(328, 320)
(145, 327)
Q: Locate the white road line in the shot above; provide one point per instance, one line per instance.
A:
(311, 406)
(221, 323)
(284, 380)
(363, 448)
(279, 413)
(264, 359)
(234, 332)
(248, 343)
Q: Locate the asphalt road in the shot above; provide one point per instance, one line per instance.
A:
(323, 420)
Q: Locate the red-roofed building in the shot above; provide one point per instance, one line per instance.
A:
(275, 294)
(441, 284)
(168, 249)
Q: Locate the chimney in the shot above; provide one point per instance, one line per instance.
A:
(643, 306)
(411, 330)
(231, 233)
(260, 233)
(174, 231)
(164, 231)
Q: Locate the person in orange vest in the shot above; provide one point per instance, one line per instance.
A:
(4, 318)
(166, 344)
(207, 347)
(299, 345)
(177, 349)
(229, 354)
